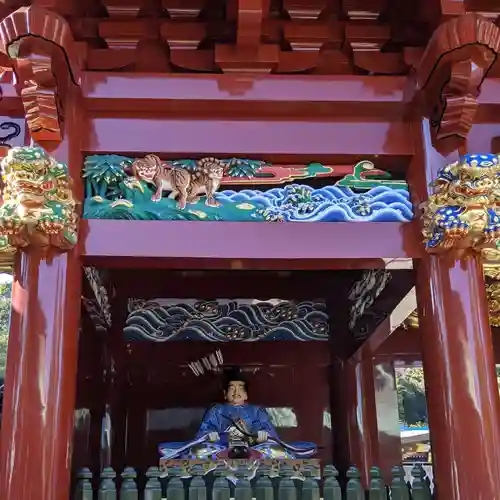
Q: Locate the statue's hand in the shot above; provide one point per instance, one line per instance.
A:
(213, 437)
(262, 436)
(235, 434)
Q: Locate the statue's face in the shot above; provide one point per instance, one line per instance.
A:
(236, 393)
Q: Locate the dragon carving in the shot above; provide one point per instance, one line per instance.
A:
(185, 185)
(464, 210)
(38, 207)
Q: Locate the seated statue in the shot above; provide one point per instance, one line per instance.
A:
(236, 429)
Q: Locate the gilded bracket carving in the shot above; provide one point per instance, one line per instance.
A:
(44, 56)
(38, 208)
(457, 59)
(464, 210)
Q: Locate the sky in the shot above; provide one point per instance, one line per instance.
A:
(5, 278)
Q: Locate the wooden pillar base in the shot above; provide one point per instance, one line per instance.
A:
(460, 375)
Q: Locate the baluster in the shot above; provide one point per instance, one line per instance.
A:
(354, 488)
(331, 486)
(310, 488)
(107, 488)
(378, 490)
(175, 489)
(128, 489)
(243, 490)
(197, 489)
(152, 490)
(83, 490)
(420, 487)
(220, 490)
(399, 486)
(286, 489)
(264, 489)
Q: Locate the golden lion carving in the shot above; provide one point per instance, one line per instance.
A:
(38, 207)
(464, 211)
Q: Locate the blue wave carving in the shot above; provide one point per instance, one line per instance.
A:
(216, 322)
(301, 203)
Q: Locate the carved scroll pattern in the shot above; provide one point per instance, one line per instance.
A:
(456, 61)
(40, 45)
(40, 99)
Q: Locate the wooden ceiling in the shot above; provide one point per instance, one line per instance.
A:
(324, 37)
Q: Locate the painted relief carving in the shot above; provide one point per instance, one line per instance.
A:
(164, 320)
(364, 293)
(492, 278)
(118, 187)
(98, 307)
(242, 468)
(38, 207)
(463, 213)
(493, 295)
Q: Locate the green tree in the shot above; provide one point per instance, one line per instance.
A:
(5, 303)
(412, 406)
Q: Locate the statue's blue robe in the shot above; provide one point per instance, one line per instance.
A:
(216, 419)
(256, 419)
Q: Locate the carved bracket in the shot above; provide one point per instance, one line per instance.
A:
(364, 293)
(46, 61)
(248, 54)
(99, 307)
(38, 208)
(449, 77)
(462, 212)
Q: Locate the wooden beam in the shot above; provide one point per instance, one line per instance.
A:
(103, 90)
(232, 241)
(381, 97)
(232, 284)
(286, 139)
(403, 344)
(384, 330)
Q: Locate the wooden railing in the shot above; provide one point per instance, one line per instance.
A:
(217, 486)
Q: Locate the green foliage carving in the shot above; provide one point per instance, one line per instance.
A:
(105, 172)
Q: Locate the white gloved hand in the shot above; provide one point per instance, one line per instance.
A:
(262, 436)
(213, 436)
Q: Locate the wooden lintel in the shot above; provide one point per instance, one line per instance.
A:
(232, 241)
(100, 86)
(279, 140)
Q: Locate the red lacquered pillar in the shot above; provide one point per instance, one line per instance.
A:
(37, 426)
(361, 412)
(40, 383)
(462, 392)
